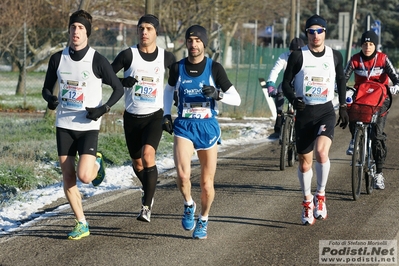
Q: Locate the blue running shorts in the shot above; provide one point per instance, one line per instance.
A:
(203, 133)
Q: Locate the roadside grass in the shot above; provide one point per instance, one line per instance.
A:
(28, 151)
(27, 148)
(28, 155)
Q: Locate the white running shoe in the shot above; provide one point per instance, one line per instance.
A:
(307, 213)
(145, 214)
(320, 209)
(142, 198)
(351, 146)
(379, 181)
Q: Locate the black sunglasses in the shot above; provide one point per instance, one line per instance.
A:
(319, 30)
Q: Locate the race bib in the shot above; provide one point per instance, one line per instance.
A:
(73, 94)
(315, 89)
(197, 110)
(145, 90)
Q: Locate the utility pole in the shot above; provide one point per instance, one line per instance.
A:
(149, 7)
(84, 4)
(298, 19)
(293, 13)
(284, 20)
(352, 29)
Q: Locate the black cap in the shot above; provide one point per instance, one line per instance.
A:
(151, 19)
(198, 31)
(296, 44)
(369, 36)
(316, 20)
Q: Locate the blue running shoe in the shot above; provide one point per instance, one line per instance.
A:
(80, 230)
(188, 222)
(200, 230)
(101, 171)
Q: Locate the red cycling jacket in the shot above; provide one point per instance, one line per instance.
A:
(379, 69)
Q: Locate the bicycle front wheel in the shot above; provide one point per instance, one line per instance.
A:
(291, 153)
(285, 141)
(358, 162)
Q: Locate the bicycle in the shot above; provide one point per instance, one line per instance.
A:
(365, 110)
(287, 135)
(287, 138)
(363, 163)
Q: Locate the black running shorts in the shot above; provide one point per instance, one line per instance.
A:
(314, 121)
(141, 130)
(70, 142)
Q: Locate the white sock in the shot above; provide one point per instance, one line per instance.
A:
(305, 179)
(83, 220)
(189, 203)
(322, 171)
(203, 218)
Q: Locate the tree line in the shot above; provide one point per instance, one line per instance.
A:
(46, 22)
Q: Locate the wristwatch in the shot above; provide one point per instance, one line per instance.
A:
(343, 105)
(221, 93)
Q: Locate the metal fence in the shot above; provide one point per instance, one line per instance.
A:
(243, 73)
(248, 63)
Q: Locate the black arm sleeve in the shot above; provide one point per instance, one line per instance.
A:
(103, 69)
(51, 75)
(122, 60)
(173, 74)
(220, 76)
(391, 72)
(294, 64)
(340, 76)
(348, 70)
(169, 59)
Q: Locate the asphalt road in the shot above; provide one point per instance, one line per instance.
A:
(255, 218)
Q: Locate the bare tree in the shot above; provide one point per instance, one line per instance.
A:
(46, 32)
(46, 22)
(220, 17)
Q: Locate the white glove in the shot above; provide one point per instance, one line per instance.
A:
(394, 89)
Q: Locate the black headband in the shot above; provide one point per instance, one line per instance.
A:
(82, 21)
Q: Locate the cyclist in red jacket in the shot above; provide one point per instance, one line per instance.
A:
(373, 65)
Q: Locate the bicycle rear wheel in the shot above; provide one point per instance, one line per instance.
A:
(285, 141)
(358, 162)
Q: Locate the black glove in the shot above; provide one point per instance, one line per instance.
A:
(175, 99)
(129, 82)
(210, 91)
(97, 112)
(52, 102)
(167, 124)
(298, 104)
(343, 119)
